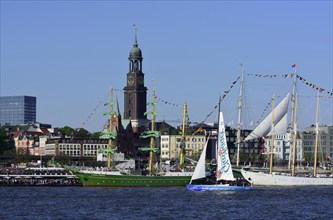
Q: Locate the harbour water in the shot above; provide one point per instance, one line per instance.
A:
(26, 202)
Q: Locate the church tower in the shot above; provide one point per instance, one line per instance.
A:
(135, 92)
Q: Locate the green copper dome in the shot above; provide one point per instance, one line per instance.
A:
(135, 53)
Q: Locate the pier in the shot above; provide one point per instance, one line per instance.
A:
(37, 177)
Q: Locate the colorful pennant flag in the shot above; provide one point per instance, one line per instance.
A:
(312, 85)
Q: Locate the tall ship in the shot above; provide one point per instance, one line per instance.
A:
(109, 178)
(276, 122)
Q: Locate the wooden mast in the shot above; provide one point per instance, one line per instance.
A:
(183, 145)
(152, 141)
(293, 95)
(239, 115)
(294, 141)
(272, 140)
(109, 134)
(152, 134)
(317, 135)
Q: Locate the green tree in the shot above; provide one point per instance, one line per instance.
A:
(7, 144)
(82, 133)
(96, 135)
(3, 144)
(66, 131)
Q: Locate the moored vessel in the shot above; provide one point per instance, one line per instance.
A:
(225, 180)
(111, 178)
(258, 178)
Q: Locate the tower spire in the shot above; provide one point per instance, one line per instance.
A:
(135, 37)
(117, 111)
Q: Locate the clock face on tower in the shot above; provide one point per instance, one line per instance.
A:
(130, 80)
(141, 80)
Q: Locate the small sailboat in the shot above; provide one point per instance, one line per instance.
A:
(225, 180)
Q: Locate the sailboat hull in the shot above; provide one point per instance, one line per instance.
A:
(217, 188)
(119, 180)
(264, 179)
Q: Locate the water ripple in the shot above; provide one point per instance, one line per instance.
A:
(165, 203)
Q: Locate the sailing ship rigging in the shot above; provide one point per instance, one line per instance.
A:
(109, 134)
(112, 178)
(274, 179)
(274, 124)
(152, 134)
(240, 101)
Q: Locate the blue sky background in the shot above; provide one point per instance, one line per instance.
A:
(69, 54)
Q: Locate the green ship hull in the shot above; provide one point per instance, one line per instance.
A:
(107, 180)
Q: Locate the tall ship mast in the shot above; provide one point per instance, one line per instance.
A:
(272, 141)
(317, 136)
(240, 100)
(294, 141)
(152, 134)
(109, 134)
(183, 140)
(292, 118)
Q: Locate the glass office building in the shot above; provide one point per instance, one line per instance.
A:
(15, 110)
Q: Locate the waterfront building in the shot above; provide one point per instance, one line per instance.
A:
(282, 147)
(249, 151)
(74, 147)
(171, 145)
(31, 139)
(325, 142)
(16, 110)
(80, 148)
(24, 144)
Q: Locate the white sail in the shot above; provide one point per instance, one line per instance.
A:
(265, 126)
(281, 126)
(223, 169)
(200, 169)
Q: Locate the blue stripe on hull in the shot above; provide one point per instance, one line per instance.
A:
(217, 188)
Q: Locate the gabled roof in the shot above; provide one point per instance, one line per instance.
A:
(163, 126)
(27, 133)
(45, 130)
(16, 133)
(34, 133)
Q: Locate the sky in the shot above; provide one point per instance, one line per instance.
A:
(70, 53)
